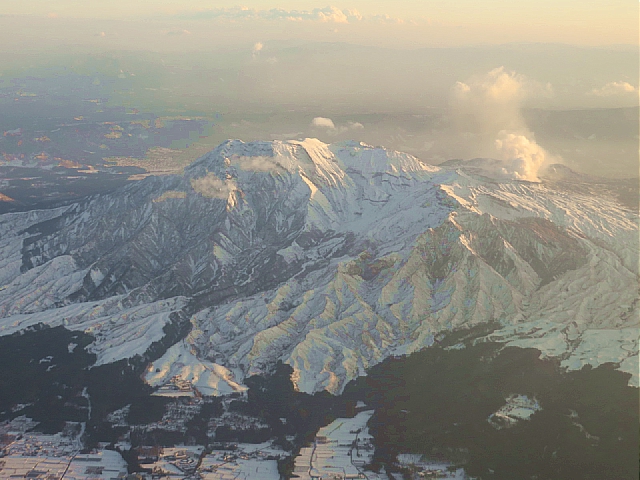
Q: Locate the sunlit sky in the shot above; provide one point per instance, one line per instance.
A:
(595, 22)
(487, 11)
(343, 58)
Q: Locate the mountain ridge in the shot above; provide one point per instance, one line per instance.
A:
(327, 257)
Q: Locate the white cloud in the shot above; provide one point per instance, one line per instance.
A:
(331, 14)
(211, 186)
(614, 88)
(323, 122)
(332, 129)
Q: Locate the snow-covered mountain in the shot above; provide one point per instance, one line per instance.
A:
(329, 258)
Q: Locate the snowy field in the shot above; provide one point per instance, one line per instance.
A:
(340, 450)
(246, 462)
(105, 465)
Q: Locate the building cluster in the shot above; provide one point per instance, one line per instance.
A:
(178, 462)
(340, 451)
(221, 461)
(176, 386)
(176, 415)
(420, 467)
(102, 465)
(37, 456)
(236, 422)
(16, 439)
(118, 418)
(242, 462)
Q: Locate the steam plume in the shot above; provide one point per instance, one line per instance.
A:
(487, 109)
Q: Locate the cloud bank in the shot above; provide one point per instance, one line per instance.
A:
(329, 14)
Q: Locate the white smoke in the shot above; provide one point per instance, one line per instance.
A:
(489, 102)
(523, 156)
(486, 110)
(211, 186)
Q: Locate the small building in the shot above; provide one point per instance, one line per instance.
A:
(148, 454)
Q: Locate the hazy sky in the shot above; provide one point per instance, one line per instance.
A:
(478, 64)
(441, 22)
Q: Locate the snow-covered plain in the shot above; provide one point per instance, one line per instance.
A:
(329, 258)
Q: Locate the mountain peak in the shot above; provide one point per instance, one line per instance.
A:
(328, 257)
(310, 156)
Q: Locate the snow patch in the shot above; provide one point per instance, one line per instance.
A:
(181, 363)
(120, 332)
(518, 407)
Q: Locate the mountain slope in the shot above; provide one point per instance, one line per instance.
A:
(328, 257)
